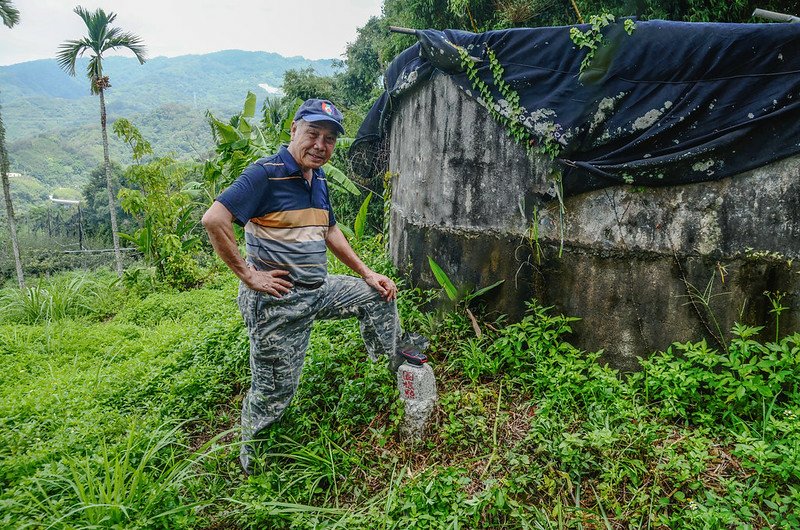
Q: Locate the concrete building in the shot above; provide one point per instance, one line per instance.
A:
(641, 267)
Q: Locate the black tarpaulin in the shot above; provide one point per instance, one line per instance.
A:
(677, 103)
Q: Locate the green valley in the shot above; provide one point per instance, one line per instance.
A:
(52, 122)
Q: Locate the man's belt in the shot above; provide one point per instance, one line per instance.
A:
(310, 286)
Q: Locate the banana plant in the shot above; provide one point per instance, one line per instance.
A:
(243, 140)
(337, 179)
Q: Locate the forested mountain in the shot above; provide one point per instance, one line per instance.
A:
(52, 121)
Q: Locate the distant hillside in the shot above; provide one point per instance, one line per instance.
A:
(65, 157)
(52, 122)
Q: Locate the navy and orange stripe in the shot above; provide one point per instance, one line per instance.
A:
(285, 218)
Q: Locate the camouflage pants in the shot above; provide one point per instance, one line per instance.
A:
(279, 330)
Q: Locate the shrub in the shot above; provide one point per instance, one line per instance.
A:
(696, 383)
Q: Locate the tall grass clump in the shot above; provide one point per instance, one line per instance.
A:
(68, 295)
(137, 484)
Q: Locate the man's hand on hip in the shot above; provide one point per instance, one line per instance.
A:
(382, 284)
(270, 282)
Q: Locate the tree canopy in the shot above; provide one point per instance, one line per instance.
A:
(375, 46)
(100, 38)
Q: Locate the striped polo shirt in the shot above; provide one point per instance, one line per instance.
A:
(285, 217)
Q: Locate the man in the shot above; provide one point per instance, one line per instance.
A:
(282, 202)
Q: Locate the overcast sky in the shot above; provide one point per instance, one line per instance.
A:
(315, 29)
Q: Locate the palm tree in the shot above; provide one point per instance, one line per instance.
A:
(8, 13)
(10, 16)
(101, 38)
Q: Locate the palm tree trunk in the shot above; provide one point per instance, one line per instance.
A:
(107, 167)
(12, 223)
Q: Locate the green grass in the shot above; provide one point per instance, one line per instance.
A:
(126, 417)
(75, 295)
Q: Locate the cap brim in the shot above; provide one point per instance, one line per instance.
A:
(318, 117)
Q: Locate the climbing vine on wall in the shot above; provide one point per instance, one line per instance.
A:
(508, 112)
(592, 38)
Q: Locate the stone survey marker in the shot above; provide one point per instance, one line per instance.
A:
(417, 386)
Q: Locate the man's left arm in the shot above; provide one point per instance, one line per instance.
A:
(341, 249)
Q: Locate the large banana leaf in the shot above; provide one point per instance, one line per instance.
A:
(360, 223)
(339, 180)
(249, 109)
(443, 279)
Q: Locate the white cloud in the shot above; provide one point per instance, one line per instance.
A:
(314, 29)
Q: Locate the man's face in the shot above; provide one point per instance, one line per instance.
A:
(312, 143)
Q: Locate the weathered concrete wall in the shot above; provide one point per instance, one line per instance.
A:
(641, 267)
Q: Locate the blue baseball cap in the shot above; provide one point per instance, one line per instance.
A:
(320, 110)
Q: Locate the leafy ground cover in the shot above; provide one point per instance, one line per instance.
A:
(119, 411)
